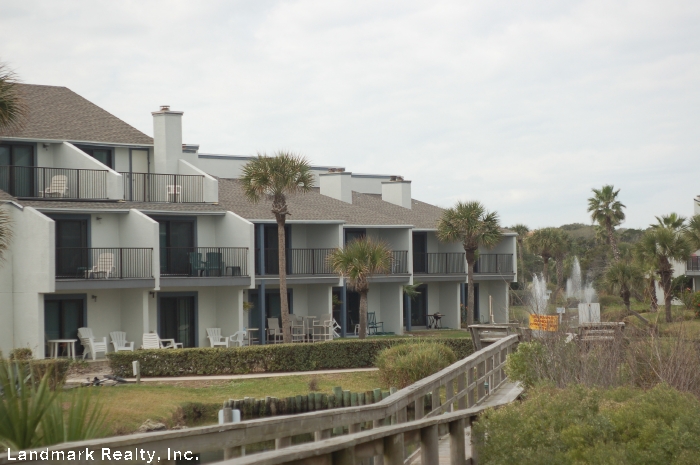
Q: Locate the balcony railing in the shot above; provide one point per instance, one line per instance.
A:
(399, 263)
(103, 263)
(493, 263)
(172, 188)
(439, 263)
(204, 261)
(693, 264)
(53, 183)
(299, 261)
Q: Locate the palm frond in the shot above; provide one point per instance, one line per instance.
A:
(13, 107)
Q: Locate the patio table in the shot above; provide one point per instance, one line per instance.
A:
(54, 345)
(251, 340)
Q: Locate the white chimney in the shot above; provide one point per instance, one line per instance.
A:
(167, 140)
(397, 191)
(337, 183)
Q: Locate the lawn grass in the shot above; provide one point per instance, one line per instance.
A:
(440, 333)
(126, 407)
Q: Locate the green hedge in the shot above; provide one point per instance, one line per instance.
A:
(346, 353)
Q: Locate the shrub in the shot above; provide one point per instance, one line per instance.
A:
(347, 353)
(579, 425)
(695, 303)
(405, 364)
(56, 369)
(610, 300)
(21, 354)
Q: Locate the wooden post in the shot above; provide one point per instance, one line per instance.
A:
(377, 396)
(344, 457)
(402, 416)
(231, 452)
(474, 454)
(419, 407)
(281, 443)
(323, 434)
(457, 449)
(435, 403)
(429, 445)
(393, 449)
(394, 419)
(449, 392)
(461, 384)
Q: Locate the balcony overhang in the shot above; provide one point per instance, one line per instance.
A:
(431, 278)
(391, 278)
(507, 277)
(205, 281)
(107, 283)
(299, 279)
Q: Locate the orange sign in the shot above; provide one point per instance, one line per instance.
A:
(544, 322)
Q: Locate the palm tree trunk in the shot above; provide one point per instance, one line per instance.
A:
(284, 302)
(545, 268)
(666, 284)
(521, 275)
(363, 314)
(652, 295)
(613, 242)
(471, 261)
(560, 278)
(625, 294)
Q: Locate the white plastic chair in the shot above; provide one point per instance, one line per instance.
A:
(173, 191)
(58, 186)
(298, 334)
(90, 345)
(104, 266)
(119, 341)
(215, 337)
(238, 338)
(153, 341)
(323, 328)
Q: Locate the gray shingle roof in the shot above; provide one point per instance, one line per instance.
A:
(5, 196)
(58, 113)
(421, 215)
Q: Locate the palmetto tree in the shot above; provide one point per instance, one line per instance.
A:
(673, 221)
(646, 261)
(623, 277)
(543, 242)
(472, 225)
(606, 210)
(273, 179)
(661, 246)
(5, 232)
(357, 262)
(561, 249)
(522, 231)
(13, 108)
(692, 232)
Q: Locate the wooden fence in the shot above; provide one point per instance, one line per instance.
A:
(475, 377)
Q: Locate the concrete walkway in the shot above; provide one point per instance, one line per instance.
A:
(178, 379)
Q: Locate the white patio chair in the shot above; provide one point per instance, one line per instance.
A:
(298, 334)
(336, 329)
(119, 341)
(173, 191)
(323, 328)
(58, 186)
(215, 337)
(153, 341)
(90, 345)
(273, 330)
(104, 266)
(238, 338)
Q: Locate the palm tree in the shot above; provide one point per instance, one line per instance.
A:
(646, 262)
(623, 277)
(13, 108)
(522, 231)
(274, 178)
(692, 232)
(357, 262)
(472, 225)
(543, 242)
(673, 221)
(5, 232)
(661, 246)
(606, 210)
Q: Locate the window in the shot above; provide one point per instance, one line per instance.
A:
(352, 234)
(177, 242)
(71, 247)
(101, 154)
(177, 319)
(17, 169)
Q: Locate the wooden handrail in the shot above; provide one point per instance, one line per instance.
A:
(476, 375)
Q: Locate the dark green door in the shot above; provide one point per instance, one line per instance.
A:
(71, 248)
(177, 319)
(17, 170)
(176, 245)
(62, 318)
(419, 307)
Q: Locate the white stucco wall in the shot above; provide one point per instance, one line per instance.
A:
(6, 293)
(315, 236)
(449, 305)
(229, 310)
(134, 314)
(211, 185)
(391, 307)
(235, 231)
(139, 230)
(121, 159)
(498, 290)
(320, 297)
(66, 155)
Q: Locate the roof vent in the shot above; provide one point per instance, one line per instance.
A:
(395, 178)
(165, 108)
(336, 170)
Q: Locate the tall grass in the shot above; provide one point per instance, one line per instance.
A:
(403, 365)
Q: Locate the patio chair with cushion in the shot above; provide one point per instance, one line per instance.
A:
(214, 264)
(373, 325)
(119, 341)
(323, 328)
(196, 264)
(215, 337)
(90, 345)
(274, 332)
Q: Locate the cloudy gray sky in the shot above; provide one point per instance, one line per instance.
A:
(522, 105)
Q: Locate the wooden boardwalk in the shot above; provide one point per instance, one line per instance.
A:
(505, 394)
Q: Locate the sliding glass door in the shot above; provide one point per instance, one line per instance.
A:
(177, 319)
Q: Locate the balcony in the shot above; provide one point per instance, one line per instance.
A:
(494, 264)
(203, 261)
(53, 183)
(439, 263)
(693, 265)
(115, 263)
(299, 262)
(399, 262)
(169, 188)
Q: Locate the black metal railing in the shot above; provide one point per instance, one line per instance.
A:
(204, 261)
(103, 263)
(693, 264)
(53, 183)
(299, 261)
(399, 262)
(439, 263)
(172, 188)
(494, 263)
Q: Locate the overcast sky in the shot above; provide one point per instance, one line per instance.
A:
(524, 106)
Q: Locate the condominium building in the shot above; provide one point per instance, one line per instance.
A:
(119, 231)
